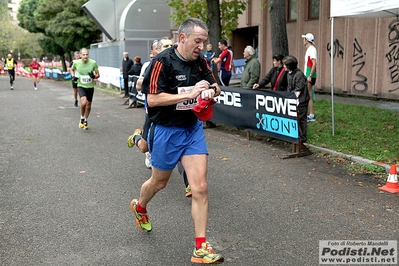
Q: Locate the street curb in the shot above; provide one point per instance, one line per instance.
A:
(352, 158)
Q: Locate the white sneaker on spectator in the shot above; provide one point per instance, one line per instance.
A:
(148, 159)
(311, 118)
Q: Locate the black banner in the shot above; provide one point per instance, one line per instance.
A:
(267, 112)
(134, 95)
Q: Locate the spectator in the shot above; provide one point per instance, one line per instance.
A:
(127, 63)
(297, 84)
(209, 54)
(252, 68)
(310, 71)
(276, 77)
(136, 68)
(224, 59)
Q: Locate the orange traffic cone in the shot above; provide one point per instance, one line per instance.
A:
(392, 182)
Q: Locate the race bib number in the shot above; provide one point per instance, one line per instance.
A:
(85, 79)
(10, 64)
(35, 71)
(186, 105)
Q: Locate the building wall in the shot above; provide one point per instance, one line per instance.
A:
(13, 6)
(366, 57)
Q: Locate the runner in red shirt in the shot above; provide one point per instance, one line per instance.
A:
(35, 70)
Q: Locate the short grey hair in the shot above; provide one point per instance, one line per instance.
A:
(187, 26)
(250, 50)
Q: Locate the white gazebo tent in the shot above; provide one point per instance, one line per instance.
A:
(358, 9)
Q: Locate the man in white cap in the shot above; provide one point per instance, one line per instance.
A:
(310, 71)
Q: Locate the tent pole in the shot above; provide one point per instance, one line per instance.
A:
(332, 74)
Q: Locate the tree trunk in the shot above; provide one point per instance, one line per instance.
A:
(215, 27)
(278, 27)
(64, 66)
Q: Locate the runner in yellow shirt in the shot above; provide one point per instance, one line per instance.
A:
(10, 65)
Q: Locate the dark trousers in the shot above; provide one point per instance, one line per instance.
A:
(302, 121)
(225, 77)
(126, 85)
(11, 73)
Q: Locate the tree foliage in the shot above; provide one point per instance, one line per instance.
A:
(228, 10)
(63, 22)
(14, 38)
(5, 21)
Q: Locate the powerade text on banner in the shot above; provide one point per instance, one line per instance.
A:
(270, 113)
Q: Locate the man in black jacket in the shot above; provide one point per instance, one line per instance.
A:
(297, 83)
(276, 76)
(127, 63)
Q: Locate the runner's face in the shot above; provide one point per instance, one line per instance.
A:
(154, 49)
(166, 44)
(194, 44)
(85, 56)
(77, 56)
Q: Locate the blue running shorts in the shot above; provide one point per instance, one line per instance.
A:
(168, 143)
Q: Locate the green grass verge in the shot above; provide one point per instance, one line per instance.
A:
(368, 132)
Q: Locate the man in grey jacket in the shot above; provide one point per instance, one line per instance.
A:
(251, 73)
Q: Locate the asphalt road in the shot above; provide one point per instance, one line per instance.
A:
(65, 192)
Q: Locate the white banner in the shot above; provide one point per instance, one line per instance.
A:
(364, 8)
(110, 75)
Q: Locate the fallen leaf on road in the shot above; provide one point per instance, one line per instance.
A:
(82, 172)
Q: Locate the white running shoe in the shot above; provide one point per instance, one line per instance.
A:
(147, 160)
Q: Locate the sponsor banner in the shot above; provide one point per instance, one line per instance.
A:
(110, 75)
(269, 113)
(366, 252)
(135, 95)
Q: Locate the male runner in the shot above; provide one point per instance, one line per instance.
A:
(10, 65)
(139, 137)
(87, 70)
(75, 79)
(174, 80)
